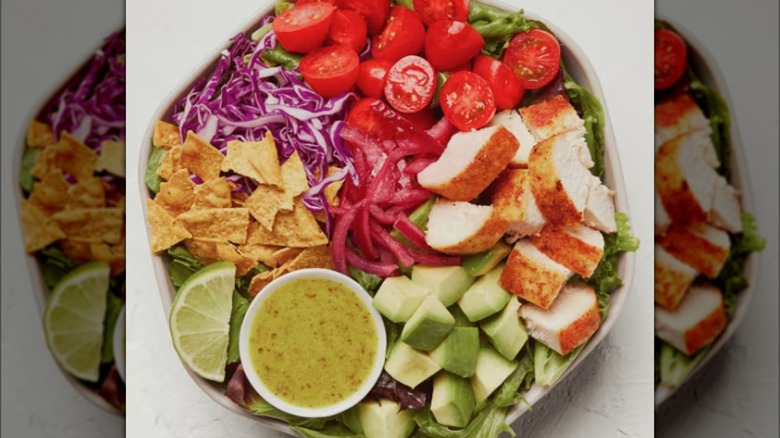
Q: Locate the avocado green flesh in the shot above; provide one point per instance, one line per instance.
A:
(505, 330)
(429, 326)
(485, 297)
(452, 402)
(458, 352)
(448, 283)
(398, 298)
(409, 366)
(492, 369)
(482, 263)
(384, 419)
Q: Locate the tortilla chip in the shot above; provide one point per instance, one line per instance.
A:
(39, 230)
(316, 257)
(296, 229)
(92, 224)
(50, 195)
(261, 253)
(204, 251)
(70, 155)
(331, 193)
(260, 281)
(171, 163)
(200, 157)
(39, 135)
(177, 194)
(295, 180)
(166, 135)
(264, 203)
(214, 193)
(256, 160)
(239, 198)
(244, 264)
(165, 229)
(104, 253)
(286, 255)
(217, 224)
(80, 252)
(112, 158)
(87, 193)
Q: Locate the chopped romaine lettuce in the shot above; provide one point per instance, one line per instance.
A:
(675, 366)
(717, 111)
(182, 265)
(593, 115)
(732, 277)
(549, 366)
(488, 423)
(240, 306)
(151, 178)
(113, 307)
(336, 430)
(497, 26)
(54, 265)
(508, 394)
(26, 180)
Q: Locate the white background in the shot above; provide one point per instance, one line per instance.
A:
(737, 394)
(43, 41)
(610, 395)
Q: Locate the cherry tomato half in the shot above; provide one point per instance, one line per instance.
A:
(304, 28)
(535, 57)
(373, 11)
(449, 44)
(404, 34)
(330, 70)
(370, 116)
(671, 57)
(434, 10)
(372, 77)
(411, 83)
(507, 88)
(467, 101)
(349, 29)
(304, 2)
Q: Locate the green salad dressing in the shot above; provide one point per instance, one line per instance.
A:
(313, 343)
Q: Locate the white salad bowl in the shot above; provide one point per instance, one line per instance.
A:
(39, 289)
(579, 68)
(708, 72)
(118, 344)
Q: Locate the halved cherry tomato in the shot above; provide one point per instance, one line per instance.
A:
(330, 70)
(423, 120)
(372, 77)
(304, 2)
(373, 11)
(404, 34)
(366, 116)
(449, 44)
(506, 86)
(535, 57)
(671, 57)
(304, 28)
(348, 28)
(467, 101)
(411, 84)
(434, 10)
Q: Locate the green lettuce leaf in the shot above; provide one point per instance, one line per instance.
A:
(489, 423)
(392, 331)
(369, 282)
(497, 26)
(113, 307)
(731, 279)
(183, 264)
(26, 180)
(549, 365)
(717, 111)
(242, 283)
(522, 378)
(261, 408)
(336, 430)
(675, 366)
(593, 115)
(151, 178)
(54, 265)
(240, 306)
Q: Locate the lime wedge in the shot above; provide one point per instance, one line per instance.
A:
(73, 320)
(200, 319)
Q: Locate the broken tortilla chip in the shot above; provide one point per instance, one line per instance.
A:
(256, 160)
(217, 224)
(50, 194)
(228, 252)
(286, 255)
(295, 180)
(70, 155)
(200, 157)
(112, 158)
(214, 193)
(316, 257)
(87, 193)
(331, 193)
(264, 203)
(104, 253)
(92, 224)
(170, 163)
(260, 281)
(177, 194)
(165, 229)
(166, 135)
(297, 229)
(39, 230)
(76, 250)
(203, 250)
(261, 253)
(39, 135)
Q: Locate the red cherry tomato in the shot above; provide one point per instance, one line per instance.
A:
(349, 29)
(671, 57)
(304, 28)
(304, 2)
(404, 34)
(411, 83)
(467, 101)
(368, 117)
(535, 57)
(434, 10)
(372, 77)
(423, 120)
(373, 11)
(330, 70)
(506, 86)
(449, 44)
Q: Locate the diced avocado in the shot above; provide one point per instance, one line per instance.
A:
(458, 352)
(452, 402)
(398, 298)
(429, 325)
(448, 283)
(492, 370)
(485, 297)
(409, 366)
(461, 320)
(384, 419)
(505, 331)
(484, 262)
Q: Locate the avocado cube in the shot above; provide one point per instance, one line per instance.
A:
(448, 283)
(398, 298)
(384, 419)
(461, 320)
(485, 297)
(429, 325)
(505, 330)
(492, 369)
(409, 366)
(458, 352)
(482, 263)
(452, 402)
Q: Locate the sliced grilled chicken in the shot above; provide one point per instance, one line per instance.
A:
(511, 194)
(578, 248)
(600, 207)
(661, 217)
(533, 276)
(471, 161)
(463, 228)
(552, 117)
(511, 120)
(569, 323)
(672, 279)
(697, 321)
(726, 208)
(702, 247)
(678, 117)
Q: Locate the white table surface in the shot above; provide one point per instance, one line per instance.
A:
(43, 41)
(611, 395)
(737, 394)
